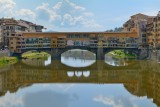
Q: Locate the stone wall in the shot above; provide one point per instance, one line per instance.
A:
(143, 54)
(155, 55)
(4, 53)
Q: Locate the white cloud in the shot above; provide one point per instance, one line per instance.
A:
(44, 8)
(57, 6)
(107, 101)
(63, 14)
(75, 6)
(44, 98)
(115, 102)
(7, 6)
(67, 14)
(88, 14)
(26, 14)
(10, 100)
(8, 9)
(71, 20)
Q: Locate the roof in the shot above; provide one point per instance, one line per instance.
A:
(79, 32)
(57, 34)
(140, 15)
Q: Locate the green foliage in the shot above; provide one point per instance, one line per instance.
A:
(117, 29)
(35, 55)
(7, 60)
(121, 54)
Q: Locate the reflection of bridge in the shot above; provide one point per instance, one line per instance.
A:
(22, 74)
(97, 66)
(142, 79)
(57, 43)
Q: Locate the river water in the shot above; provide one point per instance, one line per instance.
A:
(78, 80)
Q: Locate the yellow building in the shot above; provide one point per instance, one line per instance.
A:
(66, 39)
(154, 32)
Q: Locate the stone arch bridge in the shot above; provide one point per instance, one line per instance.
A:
(100, 52)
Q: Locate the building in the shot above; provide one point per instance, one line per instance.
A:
(7, 26)
(147, 28)
(10, 25)
(20, 41)
(154, 32)
(138, 23)
(150, 32)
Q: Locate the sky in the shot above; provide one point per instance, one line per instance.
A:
(77, 15)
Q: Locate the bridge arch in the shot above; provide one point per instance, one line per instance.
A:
(19, 55)
(76, 50)
(127, 50)
(100, 52)
(78, 58)
(140, 53)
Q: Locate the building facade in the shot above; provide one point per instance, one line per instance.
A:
(148, 28)
(154, 32)
(20, 41)
(138, 23)
(10, 25)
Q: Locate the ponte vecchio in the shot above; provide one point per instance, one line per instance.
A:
(56, 43)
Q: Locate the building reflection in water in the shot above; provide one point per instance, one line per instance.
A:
(140, 78)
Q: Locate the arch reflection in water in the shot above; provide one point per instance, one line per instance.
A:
(70, 73)
(115, 61)
(78, 58)
(78, 73)
(37, 62)
(86, 73)
(48, 61)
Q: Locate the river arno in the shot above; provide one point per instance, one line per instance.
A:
(54, 83)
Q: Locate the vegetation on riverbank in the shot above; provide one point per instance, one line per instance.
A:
(121, 54)
(35, 55)
(7, 60)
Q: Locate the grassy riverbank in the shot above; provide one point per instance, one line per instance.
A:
(35, 55)
(121, 54)
(7, 60)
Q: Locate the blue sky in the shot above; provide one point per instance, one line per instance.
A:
(77, 15)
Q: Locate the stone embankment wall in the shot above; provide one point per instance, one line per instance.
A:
(4, 53)
(143, 54)
(154, 55)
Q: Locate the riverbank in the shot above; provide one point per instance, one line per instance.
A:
(7, 60)
(35, 55)
(121, 54)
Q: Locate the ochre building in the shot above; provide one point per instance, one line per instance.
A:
(19, 41)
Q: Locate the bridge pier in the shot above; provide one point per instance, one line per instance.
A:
(141, 53)
(56, 53)
(100, 55)
(18, 55)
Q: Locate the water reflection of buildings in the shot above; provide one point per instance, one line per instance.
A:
(140, 79)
